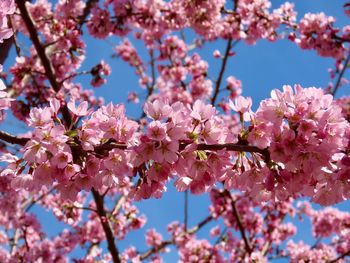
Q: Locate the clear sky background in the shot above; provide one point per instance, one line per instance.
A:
(261, 67)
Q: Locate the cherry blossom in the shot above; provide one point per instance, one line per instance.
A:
(91, 164)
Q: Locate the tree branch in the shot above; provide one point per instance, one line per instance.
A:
(5, 48)
(49, 71)
(222, 70)
(6, 137)
(239, 223)
(166, 243)
(340, 257)
(33, 34)
(106, 147)
(337, 85)
(106, 227)
(118, 204)
(150, 88)
(86, 12)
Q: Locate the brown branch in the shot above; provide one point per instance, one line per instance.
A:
(197, 227)
(5, 48)
(106, 226)
(33, 34)
(222, 70)
(86, 12)
(103, 149)
(235, 3)
(239, 223)
(231, 147)
(340, 257)
(4, 136)
(156, 249)
(49, 71)
(150, 88)
(337, 85)
(166, 243)
(34, 201)
(201, 146)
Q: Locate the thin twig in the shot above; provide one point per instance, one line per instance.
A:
(222, 235)
(150, 88)
(337, 85)
(34, 201)
(166, 243)
(222, 71)
(118, 204)
(86, 12)
(84, 208)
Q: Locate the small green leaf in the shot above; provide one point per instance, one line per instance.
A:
(72, 133)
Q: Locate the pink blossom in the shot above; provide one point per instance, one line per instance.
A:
(157, 110)
(40, 117)
(157, 131)
(61, 159)
(81, 110)
(201, 111)
(241, 104)
(25, 181)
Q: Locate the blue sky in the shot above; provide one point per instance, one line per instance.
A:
(261, 67)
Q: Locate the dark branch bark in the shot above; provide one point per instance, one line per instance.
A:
(6, 137)
(87, 9)
(33, 34)
(106, 147)
(49, 71)
(106, 226)
(166, 243)
(222, 71)
(337, 85)
(231, 147)
(344, 255)
(5, 48)
(239, 223)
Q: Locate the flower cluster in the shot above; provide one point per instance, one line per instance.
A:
(317, 32)
(305, 132)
